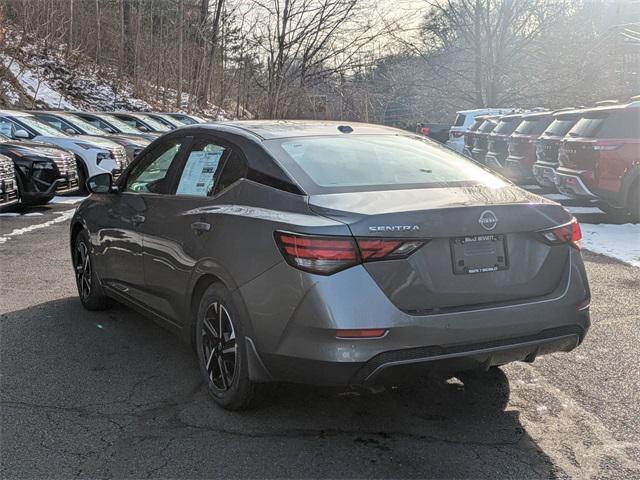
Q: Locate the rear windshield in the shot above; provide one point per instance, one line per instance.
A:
(534, 126)
(375, 162)
(622, 124)
(460, 118)
(487, 126)
(560, 126)
(588, 126)
(507, 126)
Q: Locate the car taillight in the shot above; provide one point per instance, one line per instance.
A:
(457, 134)
(325, 255)
(425, 131)
(569, 233)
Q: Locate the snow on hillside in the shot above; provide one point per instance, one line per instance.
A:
(48, 78)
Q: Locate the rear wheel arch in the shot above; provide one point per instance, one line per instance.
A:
(75, 231)
(201, 286)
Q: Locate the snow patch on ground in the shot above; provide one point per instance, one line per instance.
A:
(582, 210)
(618, 241)
(63, 217)
(67, 200)
(35, 86)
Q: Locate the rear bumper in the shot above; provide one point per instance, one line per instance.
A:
(545, 174)
(518, 168)
(295, 339)
(570, 183)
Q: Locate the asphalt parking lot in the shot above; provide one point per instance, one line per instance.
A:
(110, 394)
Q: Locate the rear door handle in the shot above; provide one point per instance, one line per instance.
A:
(138, 219)
(200, 227)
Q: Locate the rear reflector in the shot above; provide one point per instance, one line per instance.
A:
(569, 233)
(325, 255)
(370, 333)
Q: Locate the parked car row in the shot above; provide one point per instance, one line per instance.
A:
(593, 153)
(45, 153)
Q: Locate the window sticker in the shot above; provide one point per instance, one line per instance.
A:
(198, 175)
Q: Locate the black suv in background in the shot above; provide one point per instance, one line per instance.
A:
(470, 134)
(497, 141)
(481, 137)
(522, 145)
(42, 170)
(8, 185)
(548, 145)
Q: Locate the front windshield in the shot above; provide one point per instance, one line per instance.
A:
(153, 123)
(39, 127)
(377, 162)
(81, 124)
(119, 124)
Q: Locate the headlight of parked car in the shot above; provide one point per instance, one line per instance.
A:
(103, 156)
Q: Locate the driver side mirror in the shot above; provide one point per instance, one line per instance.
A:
(21, 133)
(109, 130)
(70, 131)
(101, 183)
(143, 128)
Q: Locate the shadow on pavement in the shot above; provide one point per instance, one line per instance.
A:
(112, 394)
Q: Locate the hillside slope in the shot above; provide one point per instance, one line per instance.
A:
(33, 75)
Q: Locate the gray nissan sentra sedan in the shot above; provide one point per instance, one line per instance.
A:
(330, 254)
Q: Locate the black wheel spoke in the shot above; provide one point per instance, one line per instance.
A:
(219, 346)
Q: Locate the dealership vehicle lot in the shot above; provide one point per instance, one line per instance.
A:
(111, 393)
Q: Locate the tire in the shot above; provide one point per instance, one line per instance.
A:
(634, 203)
(82, 177)
(223, 359)
(614, 214)
(89, 289)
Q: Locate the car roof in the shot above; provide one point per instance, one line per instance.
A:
(16, 113)
(271, 129)
(613, 108)
(536, 115)
(512, 116)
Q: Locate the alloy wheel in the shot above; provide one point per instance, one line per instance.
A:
(219, 346)
(83, 270)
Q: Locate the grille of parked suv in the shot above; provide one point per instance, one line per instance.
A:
(6, 169)
(120, 156)
(66, 164)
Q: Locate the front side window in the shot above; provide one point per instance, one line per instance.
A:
(201, 169)
(368, 162)
(150, 174)
(39, 127)
(57, 123)
(7, 127)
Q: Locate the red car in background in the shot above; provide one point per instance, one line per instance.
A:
(497, 142)
(600, 159)
(521, 146)
(548, 145)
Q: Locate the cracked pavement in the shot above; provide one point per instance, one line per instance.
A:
(111, 394)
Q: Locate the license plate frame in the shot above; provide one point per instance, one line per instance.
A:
(479, 254)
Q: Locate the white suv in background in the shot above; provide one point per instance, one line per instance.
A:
(464, 119)
(94, 155)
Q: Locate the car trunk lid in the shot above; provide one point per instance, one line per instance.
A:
(473, 225)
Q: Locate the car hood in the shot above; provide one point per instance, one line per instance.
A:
(94, 142)
(30, 148)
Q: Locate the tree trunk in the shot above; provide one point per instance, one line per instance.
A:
(180, 48)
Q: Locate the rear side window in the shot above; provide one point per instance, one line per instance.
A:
(475, 125)
(506, 126)
(621, 124)
(460, 118)
(487, 126)
(588, 126)
(534, 126)
(368, 162)
(560, 126)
